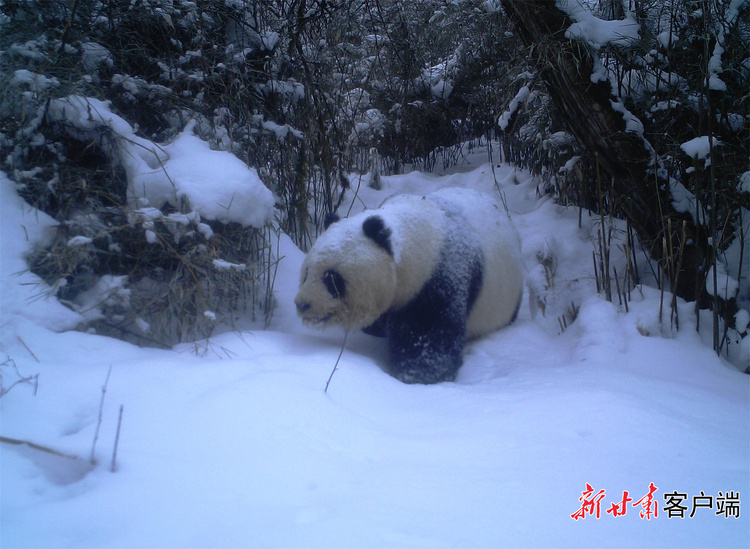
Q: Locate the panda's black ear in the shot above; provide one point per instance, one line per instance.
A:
(329, 219)
(375, 229)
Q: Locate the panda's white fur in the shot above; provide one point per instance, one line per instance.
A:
(432, 271)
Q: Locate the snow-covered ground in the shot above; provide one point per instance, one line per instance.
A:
(233, 442)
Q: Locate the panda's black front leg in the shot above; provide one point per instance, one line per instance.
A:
(426, 340)
(379, 328)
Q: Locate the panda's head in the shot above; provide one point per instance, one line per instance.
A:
(349, 275)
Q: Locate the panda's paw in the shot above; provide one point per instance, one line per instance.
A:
(437, 370)
(426, 378)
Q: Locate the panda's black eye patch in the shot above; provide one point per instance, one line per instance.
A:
(334, 283)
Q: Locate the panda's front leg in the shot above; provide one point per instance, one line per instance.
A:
(379, 328)
(426, 342)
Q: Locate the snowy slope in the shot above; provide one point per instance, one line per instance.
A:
(234, 443)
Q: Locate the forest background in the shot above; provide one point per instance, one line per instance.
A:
(636, 110)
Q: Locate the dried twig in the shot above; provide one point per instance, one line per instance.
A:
(32, 380)
(28, 349)
(38, 447)
(92, 459)
(335, 366)
(117, 440)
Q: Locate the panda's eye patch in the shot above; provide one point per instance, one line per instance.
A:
(334, 283)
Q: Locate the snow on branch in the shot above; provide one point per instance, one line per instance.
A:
(521, 96)
(714, 63)
(700, 148)
(598, 32)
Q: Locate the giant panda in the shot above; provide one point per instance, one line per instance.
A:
(428, 272)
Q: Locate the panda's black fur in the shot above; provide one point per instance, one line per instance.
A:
(426, 338)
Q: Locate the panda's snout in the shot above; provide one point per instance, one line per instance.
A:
(302, 306)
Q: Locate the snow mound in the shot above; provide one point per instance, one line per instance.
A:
(186, 172)
(24, 296)
(216, 184)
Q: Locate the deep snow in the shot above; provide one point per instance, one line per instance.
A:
(233, 441)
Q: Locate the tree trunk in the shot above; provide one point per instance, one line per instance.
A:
(624, 159)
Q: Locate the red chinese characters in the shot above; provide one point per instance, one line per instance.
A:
(726, 504)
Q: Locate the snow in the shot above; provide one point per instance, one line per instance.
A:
(638, 84)
(700, 147)
(734, 121)
(94, 54)
(632, 124)
(35, 82)
(216, 184)
(23, 296)
(598, 32)
(492, 6)
(108, 290)
(682, 199)
(227, 266)
(715, 63)
(521, 96)
(744, 184)
(726, 286)
(282, 131)
(571, 164)
(269, 40)
(290, 88)
(233, 441)
(442, 89)
(666, 39)
(440, 78)
(80, 241)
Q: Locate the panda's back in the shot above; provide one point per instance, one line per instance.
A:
(486, 224)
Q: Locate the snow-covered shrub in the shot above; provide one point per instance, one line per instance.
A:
(142, 259)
